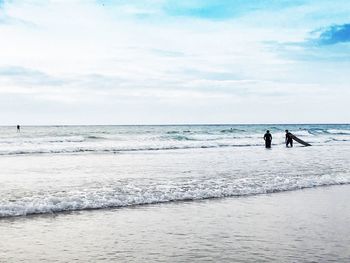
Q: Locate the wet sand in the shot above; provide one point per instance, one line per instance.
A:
(310, 225)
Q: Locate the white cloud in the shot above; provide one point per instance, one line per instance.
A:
(157, 67)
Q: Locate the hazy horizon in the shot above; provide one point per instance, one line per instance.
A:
(172, 124)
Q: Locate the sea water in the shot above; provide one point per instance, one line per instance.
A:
(53, 169)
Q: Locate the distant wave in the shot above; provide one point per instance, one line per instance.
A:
(232, 130)
(115, 197)
(315, 131)
(172, 132)
(337, 140)
(178, 137)
(58, 140)
(116, 150)
(327, 132)
(339, 133)
(44, 140)
(312, 132)
(275, 128)
(94, 137)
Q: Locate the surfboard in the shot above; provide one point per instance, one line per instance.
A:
(295, 138)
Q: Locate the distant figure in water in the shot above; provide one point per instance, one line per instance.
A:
(289, 139)
(268, 139)
(18, 128)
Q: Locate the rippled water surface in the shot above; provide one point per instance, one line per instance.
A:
(174, 194)
(299, 226)
(57, 169)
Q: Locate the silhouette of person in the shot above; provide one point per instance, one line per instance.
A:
(289, 139)
(18, 128)
(268, 139)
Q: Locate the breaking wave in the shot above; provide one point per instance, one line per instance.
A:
(131, 195)
(90, 139)
(117, 150)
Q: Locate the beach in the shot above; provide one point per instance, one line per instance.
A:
(174, 131)
(174, 194)
(299, 226)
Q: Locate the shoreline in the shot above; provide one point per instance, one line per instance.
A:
(55, 214)
(304, 226)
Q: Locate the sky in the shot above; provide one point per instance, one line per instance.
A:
(174, 61)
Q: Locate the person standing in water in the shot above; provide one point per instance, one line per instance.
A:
(289, 139)
(268, 139)
(18, 128)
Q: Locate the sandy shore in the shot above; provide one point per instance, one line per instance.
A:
(310, 225)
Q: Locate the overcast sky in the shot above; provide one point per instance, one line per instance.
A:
(174, 61)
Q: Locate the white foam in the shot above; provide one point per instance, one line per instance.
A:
(85, 139)
(113, 196)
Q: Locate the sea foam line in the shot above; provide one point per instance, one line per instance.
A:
(117, 198)
(115, 150)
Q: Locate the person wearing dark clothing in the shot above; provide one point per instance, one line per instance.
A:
(289, 139)
(268, 139)
(18, 128)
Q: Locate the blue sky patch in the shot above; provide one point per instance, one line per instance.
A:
(335, 34)
(211, 9)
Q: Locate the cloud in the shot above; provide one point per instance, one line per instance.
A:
(335, 34)
(182, 57)
(16, 79)
(224, 9)
(319, 45)
(198, 9)
(6, 19)
(167, 53)
(25, 76)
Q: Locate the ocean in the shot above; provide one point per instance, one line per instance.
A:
(181, 193)
(53, 169)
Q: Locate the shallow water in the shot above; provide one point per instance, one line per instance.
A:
(57, 169)
(114, 139)
(174, 194)
(299, 226)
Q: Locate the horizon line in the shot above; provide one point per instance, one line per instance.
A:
(174, 124)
